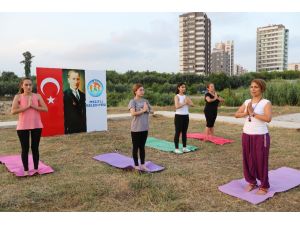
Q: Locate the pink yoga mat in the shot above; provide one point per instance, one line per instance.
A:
(213, 139)
(281, 180)
(14, 165)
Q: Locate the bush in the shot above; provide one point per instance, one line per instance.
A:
(113, 98)
(159, 99)
(281, 92)
(234, 98)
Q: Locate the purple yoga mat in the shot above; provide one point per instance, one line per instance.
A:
(280, 180)
(124, 162)
(14, 165)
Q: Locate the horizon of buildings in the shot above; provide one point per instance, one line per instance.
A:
(195, 55)
(216, 34)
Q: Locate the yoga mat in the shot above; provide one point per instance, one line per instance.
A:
(165, 146)
(124, 162)
(14, 165)
(280, 180)
(213, 139)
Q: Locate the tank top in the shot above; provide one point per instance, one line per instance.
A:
(30, 118)
(183, 110)
(256, 126)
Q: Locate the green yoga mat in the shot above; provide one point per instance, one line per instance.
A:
(165, 146)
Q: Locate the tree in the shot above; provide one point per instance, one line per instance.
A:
(8, 76)
(27, 63)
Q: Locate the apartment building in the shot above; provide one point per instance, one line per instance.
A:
(272, 48)
(194, 43)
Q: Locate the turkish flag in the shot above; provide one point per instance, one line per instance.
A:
(50, 87)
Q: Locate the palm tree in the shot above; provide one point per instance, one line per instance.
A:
(27, 63)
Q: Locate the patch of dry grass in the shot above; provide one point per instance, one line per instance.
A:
(223, 110)
(189, 183)
(230, 111)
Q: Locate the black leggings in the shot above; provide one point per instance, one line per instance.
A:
(181, 126)
(138, 143)
(35, 141)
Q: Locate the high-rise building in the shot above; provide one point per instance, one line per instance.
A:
(239, 70)
(220, 61)
(272, 48)
(223, 58)
(294, 66)
(228, 47)
(195, 43)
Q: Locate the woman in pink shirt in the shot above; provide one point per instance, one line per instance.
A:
(28, 105)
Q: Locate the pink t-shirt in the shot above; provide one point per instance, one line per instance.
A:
(30, 118)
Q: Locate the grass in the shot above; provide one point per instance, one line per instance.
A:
(222, 111)
(230, 111)
(189, 183)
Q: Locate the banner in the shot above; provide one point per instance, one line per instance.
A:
(76, 100)
(49, 86)
(96, 106)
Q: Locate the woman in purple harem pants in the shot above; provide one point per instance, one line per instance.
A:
(255, 137)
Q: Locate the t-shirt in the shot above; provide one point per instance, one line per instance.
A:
(211, 105)
(141, 122)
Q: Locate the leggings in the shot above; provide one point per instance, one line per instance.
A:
(138, 143)
(181, 126)
(35, 141)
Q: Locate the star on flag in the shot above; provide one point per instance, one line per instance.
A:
(50, 100)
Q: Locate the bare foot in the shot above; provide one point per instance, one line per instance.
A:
(250, 187)
(144, 168)
(262, 191)
(136, 167)
(35, 171)
(26, 173)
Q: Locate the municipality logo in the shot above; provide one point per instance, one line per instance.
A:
(95, 88)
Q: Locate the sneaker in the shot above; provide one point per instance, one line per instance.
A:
(185, 149)
(177, 151)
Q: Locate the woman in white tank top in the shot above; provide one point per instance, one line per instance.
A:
(181, 120)
(255, 139)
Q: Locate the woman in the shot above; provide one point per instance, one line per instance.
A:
(255, 138)
(28, 105)
(139, 109)
(212, 101)
(181, 120)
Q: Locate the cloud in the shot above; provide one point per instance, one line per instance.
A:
(131, 48)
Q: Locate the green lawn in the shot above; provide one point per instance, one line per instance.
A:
(189, 183)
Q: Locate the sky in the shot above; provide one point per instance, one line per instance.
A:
(126, 41)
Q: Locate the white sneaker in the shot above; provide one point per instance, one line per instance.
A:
(177, 151)
(186, 150)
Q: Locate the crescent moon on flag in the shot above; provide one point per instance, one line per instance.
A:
(49, 80)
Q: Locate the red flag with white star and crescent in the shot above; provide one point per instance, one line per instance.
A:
(50, 87)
